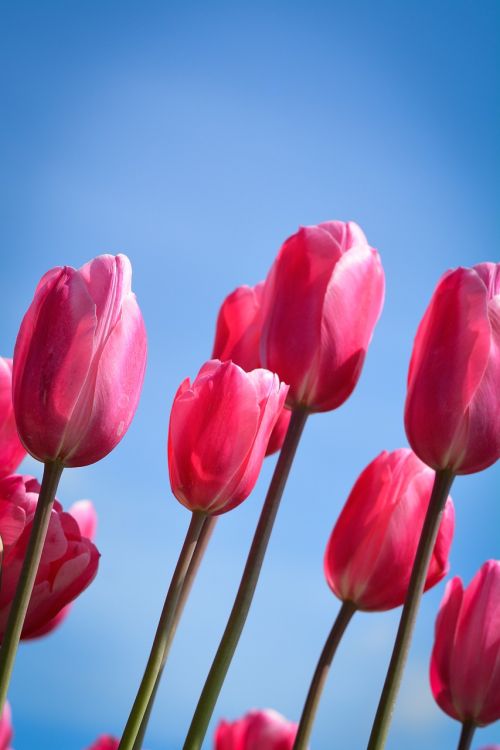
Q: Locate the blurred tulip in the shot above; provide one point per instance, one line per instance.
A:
(491, 747)
(6, 731)
(465, 662)
(106, 742)
(69, 560)
(237, 338)
(452, 413)
(11, 449)
(219, 431)
(371, 551)
(258, 730)
(322, 299)
(79, 362)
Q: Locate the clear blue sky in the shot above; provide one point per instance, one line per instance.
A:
(195, 137)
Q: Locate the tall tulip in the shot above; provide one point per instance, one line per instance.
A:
(257, 730)
(465, 662)
(11, 450)
(6, 731)
(370, 552)
(106, 742)
(237, 337)
(322, 299)
(79, 364)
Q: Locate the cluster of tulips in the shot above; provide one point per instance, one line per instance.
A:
(289, 347)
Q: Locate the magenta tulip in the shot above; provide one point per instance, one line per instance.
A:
(6, 731)
(79, 362)
(237, 338)
(258, 730)
(465, 663)
(220, 427)
(452, 413)
(371, 551)
(69, 559)
(106, 742)
(11, 449)
(322, 299)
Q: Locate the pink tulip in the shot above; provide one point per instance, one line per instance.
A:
(465, 663)
(322, 299)
(219, 431)
(452, 414)
(11, 450)
(237, 338)
(6, 731)
(69, 560)
(370, 553)
(258, 730)
(491, 747)
(79, 362)
(106, 742)
(84, 514)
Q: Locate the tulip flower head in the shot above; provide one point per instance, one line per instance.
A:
(465, 662)
(6, 731)
(237, 337)
(371, 551)
(69, 560)
(79, 362)
(11, 449)
(452, 413)
(106, 742)
(322, 299)
(258, 730)
(219, 430)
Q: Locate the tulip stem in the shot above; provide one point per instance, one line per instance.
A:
(466, 735)
(164, 633)
(51, 476)
(194, 565)
(342, 620)
(248, 584)
(442, 483)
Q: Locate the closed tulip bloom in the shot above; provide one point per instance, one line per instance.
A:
(237, 337)
(258, 730)
(6, 731)
(452, 414)
(322, 299)
(465, 662)
(106, 742)
(79, 362)
(219, 431)
(371, 551)
(11, 449)
(69, 560)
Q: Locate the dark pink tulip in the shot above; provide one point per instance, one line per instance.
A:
(237, 338)
(11, 449)
(370, 553)
(452, 414)
(258, 730)
(6, 731)
(219, 431)
(465, 663)
(106, 742)
(84, 514)
(79, 362)
(322, 299)
(69, 560)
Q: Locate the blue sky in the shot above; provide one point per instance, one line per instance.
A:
(195, 137)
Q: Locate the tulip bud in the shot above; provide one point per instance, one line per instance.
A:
(219, 431)
(106, 742)
(452, 413)
(11, 450)
(372, 548)
(322, 299)
(6, 731)
(79, 362)
(258, 730)
(237, 338)
(465, 662)
(69, 561)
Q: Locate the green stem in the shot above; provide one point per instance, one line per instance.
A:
(198, 554)
(319, 678)
(241, 607)
(51, 476)
(163, 633)
(442, 483)
(466, 735)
